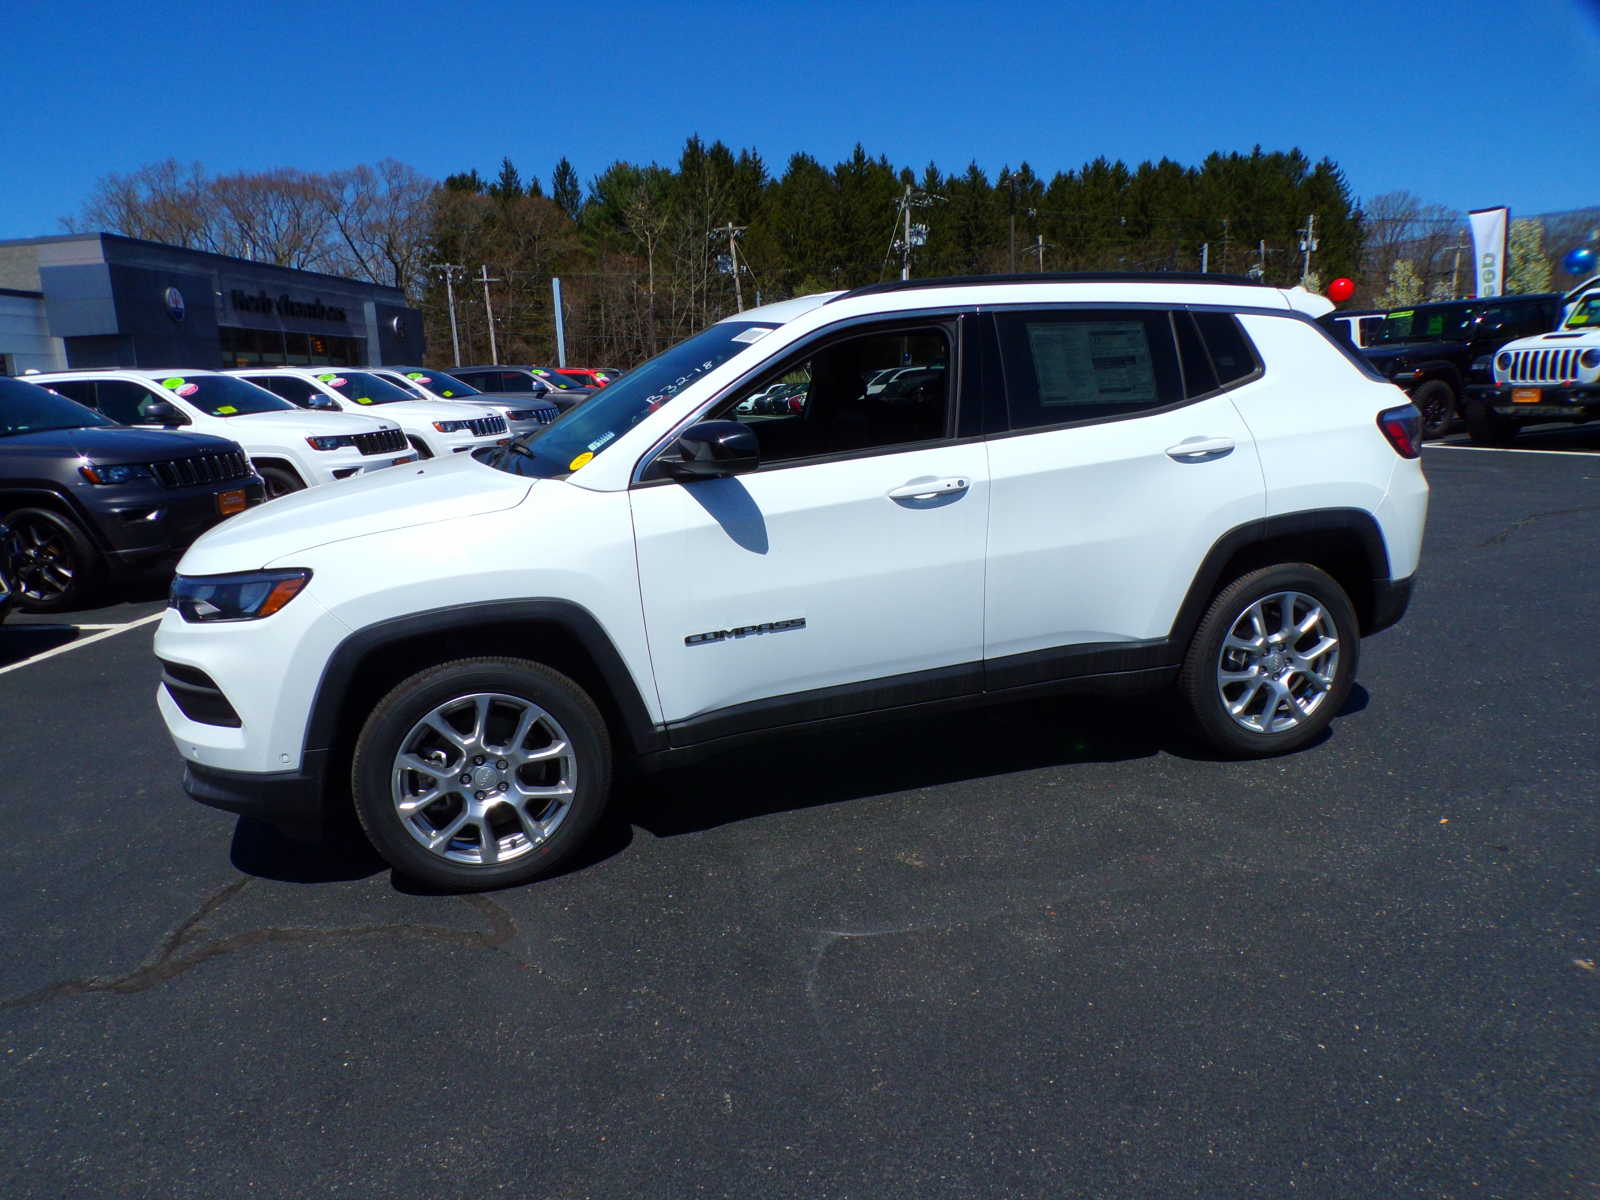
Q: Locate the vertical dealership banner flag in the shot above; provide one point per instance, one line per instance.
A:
(1489, 228)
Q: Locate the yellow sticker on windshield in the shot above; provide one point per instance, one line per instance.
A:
(363, 399)
(581, 461)
(226, 410)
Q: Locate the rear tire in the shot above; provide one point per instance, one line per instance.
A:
(482, 773)
(1437, 404)
(60, 569)
(1272, 661)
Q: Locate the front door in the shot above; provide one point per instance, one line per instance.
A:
(847, 572)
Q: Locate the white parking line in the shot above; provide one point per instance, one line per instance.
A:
(105, 632)
(1508, 450)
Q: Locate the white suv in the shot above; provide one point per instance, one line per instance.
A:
(1099, 482)
(435, 428)
(522, 415)
(289, 448)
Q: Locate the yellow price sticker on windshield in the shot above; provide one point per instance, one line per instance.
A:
(363, 399)
(581, 461)
(226, 410)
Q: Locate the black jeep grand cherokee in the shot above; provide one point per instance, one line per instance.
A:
(86, 497)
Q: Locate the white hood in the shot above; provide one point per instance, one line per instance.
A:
(407, 496)
(412, 413)
(289, 421)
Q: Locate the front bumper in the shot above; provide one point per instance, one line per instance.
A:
(1556, 402)
(153, 529)
(288, 798)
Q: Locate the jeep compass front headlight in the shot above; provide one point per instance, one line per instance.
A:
(248, 596)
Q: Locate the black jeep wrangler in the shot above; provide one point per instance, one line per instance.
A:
(86, 498)
(1433, 351)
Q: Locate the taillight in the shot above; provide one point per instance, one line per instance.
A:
(1403, 427)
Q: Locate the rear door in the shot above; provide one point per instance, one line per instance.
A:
(1122, 462)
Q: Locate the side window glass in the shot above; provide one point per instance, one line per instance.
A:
(1198, 375)
(81, 390)
(1231, 352)
(120, 400)
(1087, 365)
(507, 381)
(863, 393)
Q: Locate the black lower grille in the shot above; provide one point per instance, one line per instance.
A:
(201, 468)
(197, 696)
(383, 441)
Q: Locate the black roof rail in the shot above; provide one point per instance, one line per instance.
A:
(902, 285)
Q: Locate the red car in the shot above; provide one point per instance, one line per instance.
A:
(595, 377)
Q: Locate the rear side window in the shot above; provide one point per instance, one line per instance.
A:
(1231, 352)
(1087, 365)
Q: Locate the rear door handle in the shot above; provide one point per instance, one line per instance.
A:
(1200, 449)
(928, 489)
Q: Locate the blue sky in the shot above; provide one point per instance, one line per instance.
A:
(1462, 103)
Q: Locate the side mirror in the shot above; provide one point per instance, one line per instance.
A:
(540, 389)
(317, 400)
(160, 412)
(710, 450)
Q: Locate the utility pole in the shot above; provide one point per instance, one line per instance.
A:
(448, 270)
(1308, 243)
(733, 232)
(1205, 258)
(1455, 268)
(488, 311)
(1225, 240)
(561, 326)
(1038, 248)
(915, 235)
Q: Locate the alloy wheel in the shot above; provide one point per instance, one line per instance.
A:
(1278, 662)
(484, 779)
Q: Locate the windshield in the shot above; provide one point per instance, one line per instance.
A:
(358, 387)
(441, 384)
(593, 426)
(224, 395)
(1425, 324)
(31, 408)
(1587, 314)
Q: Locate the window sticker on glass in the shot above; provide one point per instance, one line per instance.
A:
(1105, 362)
(417, 375)
(1435, 325)
(582, 460)
(754, 334)
(226, 410)
(360, 399)
(602, 439)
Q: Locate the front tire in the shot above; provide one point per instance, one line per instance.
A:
(1272, 661)
(279, 481)
(59, 568)
(1488, 428)
(481, 773)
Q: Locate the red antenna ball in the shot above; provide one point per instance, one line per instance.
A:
(1341, 289)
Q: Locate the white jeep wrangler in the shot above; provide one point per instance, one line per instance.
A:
(1548, 377)
(1097, 482)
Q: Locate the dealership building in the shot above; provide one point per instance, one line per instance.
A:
(103, 300)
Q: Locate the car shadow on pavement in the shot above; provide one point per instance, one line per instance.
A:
(788, 772)
(806, 770)
(329, 856)
(18, 643)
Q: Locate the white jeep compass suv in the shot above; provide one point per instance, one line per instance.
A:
(1097, 482)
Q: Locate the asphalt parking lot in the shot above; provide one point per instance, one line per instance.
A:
(1044, 950)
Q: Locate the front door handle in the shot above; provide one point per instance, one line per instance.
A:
(928, 489)
(1200, 449)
